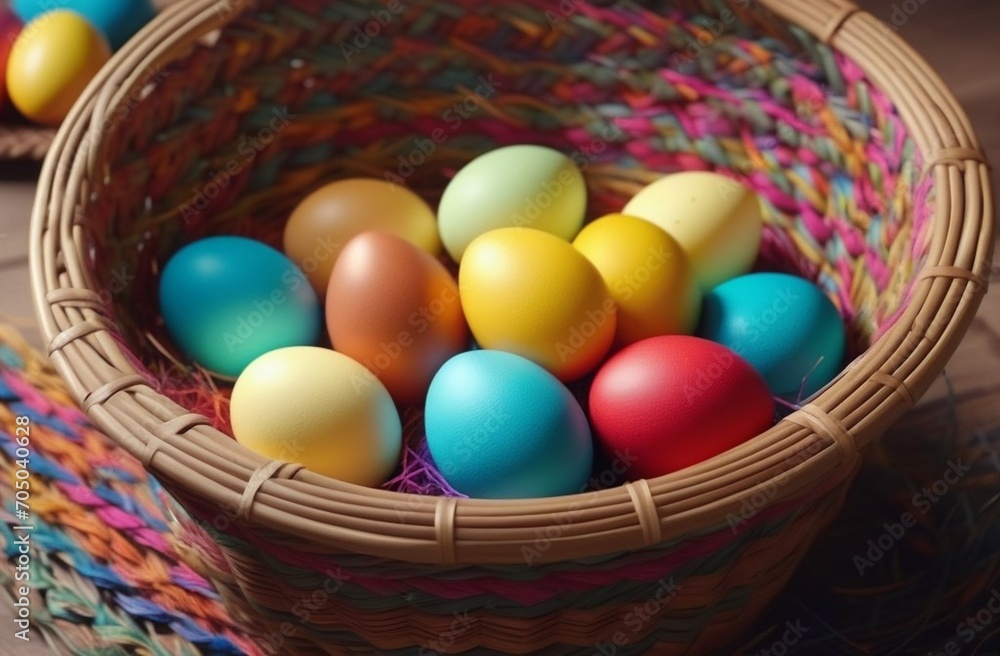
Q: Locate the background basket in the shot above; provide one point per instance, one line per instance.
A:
(25, 142)
(874, 187)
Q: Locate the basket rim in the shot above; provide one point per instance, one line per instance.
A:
(823, 439)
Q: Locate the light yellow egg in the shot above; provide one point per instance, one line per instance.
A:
(648, 275)
(53, 60)
(336, 213)
(319, 408)
(530, 293)
(717, 221)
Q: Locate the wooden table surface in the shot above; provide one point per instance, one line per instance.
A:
(960, 38)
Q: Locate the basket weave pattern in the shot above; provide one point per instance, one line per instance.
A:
(874, 186)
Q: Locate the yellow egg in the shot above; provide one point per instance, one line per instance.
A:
(319, 408)
(335, 214)
(648, 275)
(717, 221)
(53, 60)
(530, 293)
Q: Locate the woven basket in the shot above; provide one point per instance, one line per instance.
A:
(873, 183)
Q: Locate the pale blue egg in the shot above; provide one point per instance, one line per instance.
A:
(228, 300)
(784, 326)
(502, 427)
(117, 20)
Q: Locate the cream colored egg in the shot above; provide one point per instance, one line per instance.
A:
(716, 220)
(319, 408)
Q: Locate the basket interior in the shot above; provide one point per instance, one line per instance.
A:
(228, 138)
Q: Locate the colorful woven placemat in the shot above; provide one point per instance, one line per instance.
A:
(103, 571)
(912, 567)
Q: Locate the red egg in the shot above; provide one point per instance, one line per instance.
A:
(667, 403)
(10, 27)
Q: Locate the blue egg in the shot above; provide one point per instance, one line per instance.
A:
(784, 326)
(228, 300)
(117, 20)
(501, 427)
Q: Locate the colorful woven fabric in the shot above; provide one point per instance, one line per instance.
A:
(104, 573)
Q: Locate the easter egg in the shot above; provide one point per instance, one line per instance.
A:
(501, 427)
(10, 27)
(648, 275)
(531, 293)
(228, 300)
(517, 186)
(331, 216)
(784, 326)
(674, 401)
(52, 61)
(716, 220)
(321, 409)
(397, 310)
(117, 20)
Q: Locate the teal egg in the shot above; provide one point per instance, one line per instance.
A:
(784, 326)
(501, 427)
(228, 300)
(117, 20)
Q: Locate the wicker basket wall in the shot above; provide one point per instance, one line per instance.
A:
(874, 185)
